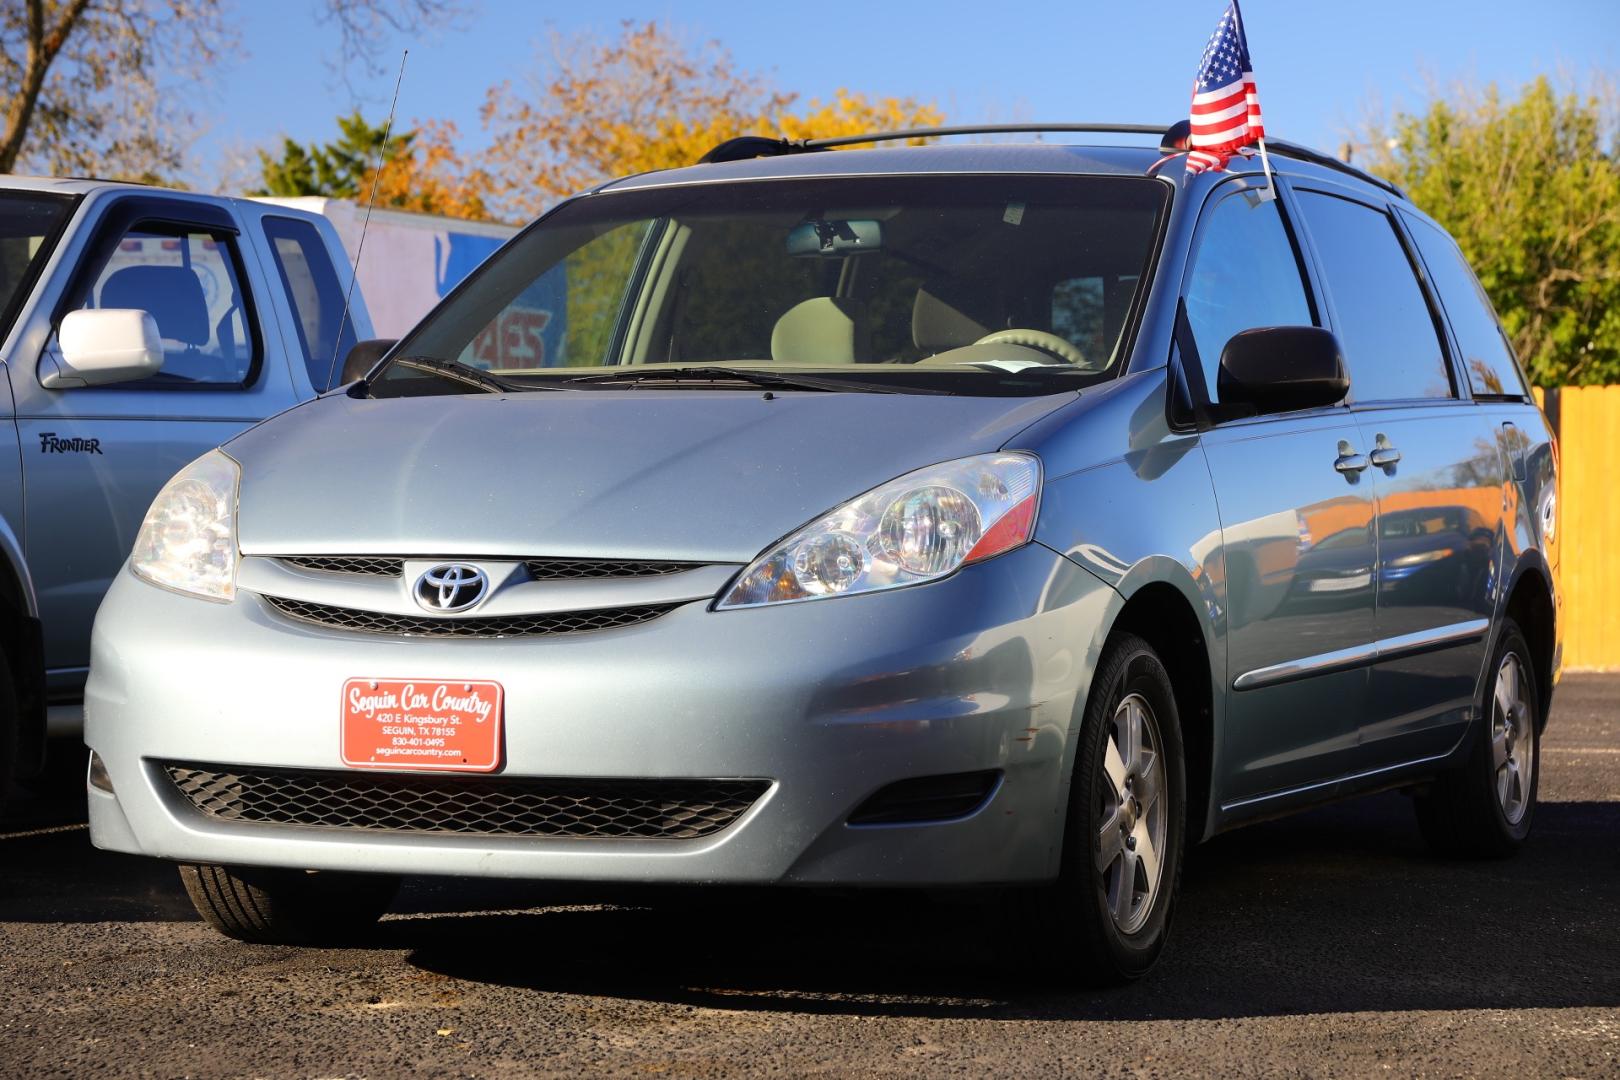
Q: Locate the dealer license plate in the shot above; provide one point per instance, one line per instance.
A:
(445, 725)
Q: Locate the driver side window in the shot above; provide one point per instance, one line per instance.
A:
(186, 280)
(1246, 274)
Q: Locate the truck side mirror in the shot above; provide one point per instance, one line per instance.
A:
(1282, 368)
(99, 346)
(363, 356)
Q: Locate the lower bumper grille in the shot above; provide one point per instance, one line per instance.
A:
(481, 626)
(467, 805)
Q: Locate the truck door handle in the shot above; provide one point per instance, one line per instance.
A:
(1385, 456)
(1350, 463)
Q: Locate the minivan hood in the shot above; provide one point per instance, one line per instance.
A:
(677, 474)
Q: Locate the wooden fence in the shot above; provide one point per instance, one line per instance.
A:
(1587, 420)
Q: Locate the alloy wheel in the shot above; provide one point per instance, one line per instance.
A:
(1134, 814)
(1513, 743)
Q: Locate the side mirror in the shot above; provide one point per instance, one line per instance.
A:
(99, 346)
(363, 356)
(1282, 368)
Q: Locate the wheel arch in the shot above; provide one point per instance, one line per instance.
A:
(1529, 602)
(1163, 605)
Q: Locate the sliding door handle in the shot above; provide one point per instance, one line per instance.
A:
(1350, 464)
(1385, 456)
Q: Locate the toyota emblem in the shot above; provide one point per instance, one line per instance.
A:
(451, 587)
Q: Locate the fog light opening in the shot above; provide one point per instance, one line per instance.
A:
(98, 778)
(928, 799)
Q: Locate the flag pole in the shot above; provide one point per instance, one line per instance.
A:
(1270, 191)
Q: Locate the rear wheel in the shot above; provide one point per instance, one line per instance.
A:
(1484, 808)
(10, 725)
(1111, 907)
(288, 907)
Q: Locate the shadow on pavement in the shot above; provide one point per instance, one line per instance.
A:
(1336, 911)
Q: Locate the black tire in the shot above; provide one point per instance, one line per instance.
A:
(288, 907)
(10, 728)
(1087, 945)
(1461, 814)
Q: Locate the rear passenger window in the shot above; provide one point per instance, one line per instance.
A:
(1382, 320)
(1485, 350)
(315, 294)
(1245, 275)
(187, 282)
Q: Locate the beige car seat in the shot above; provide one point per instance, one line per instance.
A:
(822, 330)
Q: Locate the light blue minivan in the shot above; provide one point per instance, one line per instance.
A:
(946, 516)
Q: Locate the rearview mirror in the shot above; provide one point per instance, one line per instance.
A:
(835, 238)
(1282, 368)
(363, 356)
(96, 347)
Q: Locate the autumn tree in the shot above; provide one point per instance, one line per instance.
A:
(648, 100)
(98, 86)
(1530, 188)
(420, 169)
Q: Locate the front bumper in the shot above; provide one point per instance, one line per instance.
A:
(829, 701)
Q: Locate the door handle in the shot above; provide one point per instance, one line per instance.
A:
(1384, 455)
(1350, 463)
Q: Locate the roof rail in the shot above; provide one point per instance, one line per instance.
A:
(752, 146)
(1172, 139)
(1316, 157)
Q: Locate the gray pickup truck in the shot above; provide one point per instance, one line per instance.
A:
(139, 328)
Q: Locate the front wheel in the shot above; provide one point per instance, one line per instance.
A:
(288, 907)
(1111, 907)
(1484, 807)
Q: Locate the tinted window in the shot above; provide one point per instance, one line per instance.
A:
(26, 223)
(315, 293)
(1245, 275)
(1381, 318)
(187, 282)
(1485, 351)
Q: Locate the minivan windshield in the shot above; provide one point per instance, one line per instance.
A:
(971, 284)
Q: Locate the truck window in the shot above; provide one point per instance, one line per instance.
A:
(28, 226)
(188, 282)
(315, 295)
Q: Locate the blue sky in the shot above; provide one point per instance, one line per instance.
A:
(1318, 65)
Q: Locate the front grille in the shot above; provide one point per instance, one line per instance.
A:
(539, 569)
(482, 626)
(343, 564)
(568, 569)
(473, 805)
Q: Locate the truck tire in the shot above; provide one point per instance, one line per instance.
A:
(10, 715)
(288, 907)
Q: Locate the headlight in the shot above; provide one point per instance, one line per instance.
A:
(188, 541)
(917, 528)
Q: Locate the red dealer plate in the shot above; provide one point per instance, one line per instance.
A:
(443, 725)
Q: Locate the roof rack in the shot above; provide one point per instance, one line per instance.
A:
(1172, 139)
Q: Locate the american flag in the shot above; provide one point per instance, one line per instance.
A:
(1225, 103)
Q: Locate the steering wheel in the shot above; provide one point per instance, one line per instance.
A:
(1047, 343)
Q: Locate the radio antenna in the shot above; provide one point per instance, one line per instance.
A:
(360, 248)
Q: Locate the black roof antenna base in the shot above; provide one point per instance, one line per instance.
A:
(744, 147)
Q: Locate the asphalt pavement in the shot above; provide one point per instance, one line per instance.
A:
(1324, 944)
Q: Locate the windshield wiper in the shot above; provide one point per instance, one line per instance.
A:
(457, 372)
(754, 377)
